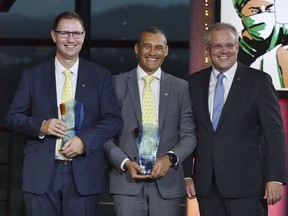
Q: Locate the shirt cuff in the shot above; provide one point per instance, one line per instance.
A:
(42, 136)
(122, 164)
(278, 182)
(176, 157)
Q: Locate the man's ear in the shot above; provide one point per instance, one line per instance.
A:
(53, 36)
(167, 51)
(136, 50)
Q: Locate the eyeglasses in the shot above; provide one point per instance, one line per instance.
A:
(66, 34)
(228, 46)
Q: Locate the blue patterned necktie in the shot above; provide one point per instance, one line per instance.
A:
(218, 100)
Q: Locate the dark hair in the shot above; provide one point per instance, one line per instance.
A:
(151, 29)
(220, 26)
(67, 15)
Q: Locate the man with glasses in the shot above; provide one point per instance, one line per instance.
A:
(240, 157)
(68, 109)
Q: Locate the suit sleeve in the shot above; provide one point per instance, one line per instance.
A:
(20, 117)
(110, 122)
(273, 132)
(113, 152)
(187, 128)
(187, 167)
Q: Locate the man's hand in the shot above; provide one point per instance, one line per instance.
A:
(190, 188)
(54, 127)
(135, 170)
(73, 147)
(161, 167)
(273, 192)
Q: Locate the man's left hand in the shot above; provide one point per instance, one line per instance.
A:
(273, 192)
(161, 167)
(73, 147)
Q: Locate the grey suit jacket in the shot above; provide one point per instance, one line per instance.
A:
(177, 133)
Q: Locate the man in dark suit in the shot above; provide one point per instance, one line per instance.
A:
(160, 192)
(240, 162)
(68, 180)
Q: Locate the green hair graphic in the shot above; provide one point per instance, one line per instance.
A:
(239, 4)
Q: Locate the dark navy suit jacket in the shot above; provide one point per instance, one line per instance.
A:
(248, 147)
(35, 101)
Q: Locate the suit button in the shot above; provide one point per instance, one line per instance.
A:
(52, 150)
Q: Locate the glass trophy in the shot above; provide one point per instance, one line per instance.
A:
(147, 141)
(72, 114)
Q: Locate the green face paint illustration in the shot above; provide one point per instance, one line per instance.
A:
(259, 26)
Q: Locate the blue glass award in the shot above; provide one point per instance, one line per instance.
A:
(147, 142)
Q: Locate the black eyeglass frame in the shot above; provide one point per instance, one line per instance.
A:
(66, 34)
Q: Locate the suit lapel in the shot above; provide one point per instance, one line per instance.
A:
(82, 82)
(205, 103)
(165, 84)
(132, 86)
(234, 91)
(50, 85)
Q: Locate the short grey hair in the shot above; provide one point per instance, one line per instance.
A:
(220, 26)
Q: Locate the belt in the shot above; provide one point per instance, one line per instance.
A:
(146, 180)
(65, 162)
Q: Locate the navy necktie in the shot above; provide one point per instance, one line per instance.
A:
(218, 100)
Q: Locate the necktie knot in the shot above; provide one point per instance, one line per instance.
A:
(67, 73)
(148, 79)
(220, 76)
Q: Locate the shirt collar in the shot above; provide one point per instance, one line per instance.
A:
(141, 73)
(59, 68)
(229, 74)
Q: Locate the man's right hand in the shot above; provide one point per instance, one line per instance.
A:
(190, 188)
(53, 127)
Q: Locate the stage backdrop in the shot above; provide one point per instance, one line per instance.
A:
(263, 42)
